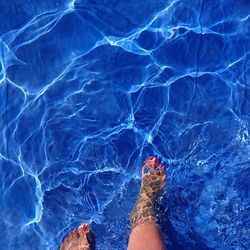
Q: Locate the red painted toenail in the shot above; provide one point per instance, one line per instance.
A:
(161, 166)
(155, 160)
(152, 162)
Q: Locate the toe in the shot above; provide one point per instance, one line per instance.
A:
(77, 238)
(70, 234)
(74, 234)
(65, 243)
(160, 169)
(151, 162)
(84, 228)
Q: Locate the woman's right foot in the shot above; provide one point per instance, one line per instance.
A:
(153, 180)
(79, 239)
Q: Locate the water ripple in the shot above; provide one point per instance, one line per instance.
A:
(91, 88)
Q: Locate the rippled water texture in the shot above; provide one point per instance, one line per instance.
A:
(90, 88)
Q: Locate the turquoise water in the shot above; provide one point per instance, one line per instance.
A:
(89, 89)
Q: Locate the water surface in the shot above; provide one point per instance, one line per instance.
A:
(89, 89)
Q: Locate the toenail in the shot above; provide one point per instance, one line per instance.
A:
(152, 161)
(83, 227)
(160, 166)
(155, 160)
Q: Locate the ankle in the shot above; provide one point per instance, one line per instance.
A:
(142, 213)
(137, 219)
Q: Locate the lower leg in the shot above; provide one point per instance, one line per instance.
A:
(146, 237)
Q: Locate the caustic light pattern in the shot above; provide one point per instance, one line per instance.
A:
(90, 88)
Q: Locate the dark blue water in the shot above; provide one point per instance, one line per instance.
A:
(89, 89)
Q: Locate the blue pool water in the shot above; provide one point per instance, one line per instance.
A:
(90, 88)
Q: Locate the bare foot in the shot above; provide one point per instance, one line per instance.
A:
(153, 180)
(79, 239)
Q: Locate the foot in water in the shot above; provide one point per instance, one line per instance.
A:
(79, 239)
(153, 180)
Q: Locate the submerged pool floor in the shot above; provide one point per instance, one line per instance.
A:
(89, 89)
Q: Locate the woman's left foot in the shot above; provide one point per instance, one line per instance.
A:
(79, 239)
